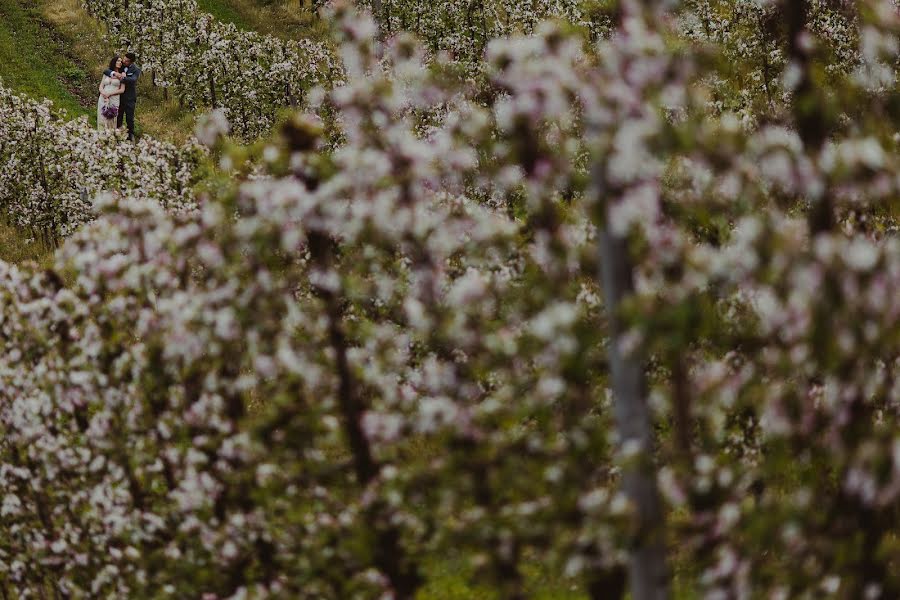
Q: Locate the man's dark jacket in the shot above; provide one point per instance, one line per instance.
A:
(132, 73)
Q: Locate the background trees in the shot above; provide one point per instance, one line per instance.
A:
(390, 345)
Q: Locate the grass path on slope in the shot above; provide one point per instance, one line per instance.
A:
(35, 60)
(287, 19)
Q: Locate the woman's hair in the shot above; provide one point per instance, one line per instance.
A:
(112, 63)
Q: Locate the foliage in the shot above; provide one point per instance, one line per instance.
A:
(51, 168)
(394, 349)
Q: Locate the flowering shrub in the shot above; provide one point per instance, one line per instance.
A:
(398, 350)
(209, 64)
(51, 168)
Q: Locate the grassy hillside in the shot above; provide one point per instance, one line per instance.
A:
(283, 18)
(37, 60)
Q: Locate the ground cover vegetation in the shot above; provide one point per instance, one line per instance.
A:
(616, 294)
(36, 62)
(288, 19)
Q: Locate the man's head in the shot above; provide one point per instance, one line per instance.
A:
(130, 57)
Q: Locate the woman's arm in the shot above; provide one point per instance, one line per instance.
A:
(100, 89)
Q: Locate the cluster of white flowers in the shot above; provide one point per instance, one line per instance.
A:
(51, 168)
(210, 64)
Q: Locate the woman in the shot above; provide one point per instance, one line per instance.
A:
(110, 90)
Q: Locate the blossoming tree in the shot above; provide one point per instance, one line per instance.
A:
(51, 168)
(572, 311)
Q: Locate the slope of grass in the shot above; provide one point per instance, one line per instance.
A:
(287, 19)
(36, 60)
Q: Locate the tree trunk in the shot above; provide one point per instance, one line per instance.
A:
(809, 116)
(648, 575)
(647, 570)
(380, 35)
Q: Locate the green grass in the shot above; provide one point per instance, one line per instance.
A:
(447, 579)
(226, 11)
(287, 19)
(35, 60)
(15, 247)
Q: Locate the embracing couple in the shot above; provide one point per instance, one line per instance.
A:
(118, 94)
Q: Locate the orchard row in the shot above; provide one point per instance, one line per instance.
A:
(209, 64)
(51, 168)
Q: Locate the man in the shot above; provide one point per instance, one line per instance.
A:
(129, 76)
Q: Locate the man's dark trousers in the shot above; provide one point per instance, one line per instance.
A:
(126, 113)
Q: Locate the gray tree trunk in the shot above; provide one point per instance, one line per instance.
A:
(380, 35)
(647, 571)
(809, 114)
(648, 574)
(376, 10)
